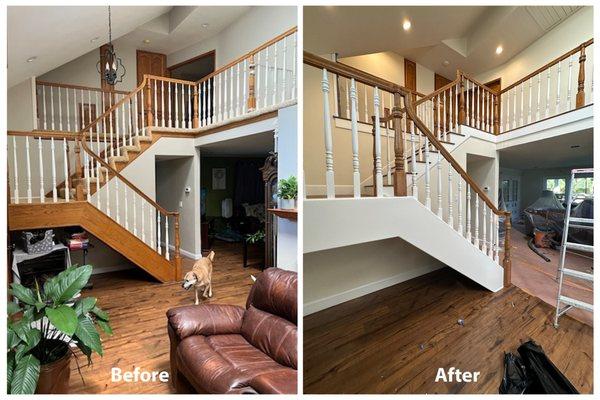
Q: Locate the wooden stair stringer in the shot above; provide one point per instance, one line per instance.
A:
(82, 213)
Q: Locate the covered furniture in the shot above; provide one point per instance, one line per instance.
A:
(219, 348)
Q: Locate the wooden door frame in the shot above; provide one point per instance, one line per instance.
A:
(137, 61)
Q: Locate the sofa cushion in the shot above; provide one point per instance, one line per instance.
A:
(205, 319)
(283, 381)
(275, 292)
(273, 335)
(222, 363)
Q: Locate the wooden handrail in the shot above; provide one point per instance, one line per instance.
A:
(78, 87)
(436, 143)
(172, 80)
(45, 134)
(353, 73)
(436, 92)
(550, 64)
(481, 85)
(247, 55)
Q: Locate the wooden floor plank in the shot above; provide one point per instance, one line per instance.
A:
(395, 339)
(137, 305)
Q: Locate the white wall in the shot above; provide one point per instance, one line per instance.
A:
(252, 29)
(21, 106)
(287, 165)
(575, 30)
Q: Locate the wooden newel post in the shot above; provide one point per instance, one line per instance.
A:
(195, 122)
(148, 98)
(78, 171)
(461, 100)
(580, 98)
(375, 193)
(399, 173)
(497, 114)
(178, 275)
(506, 263)
(251, 84)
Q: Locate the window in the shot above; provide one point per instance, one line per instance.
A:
(583, 187)
(558, 186)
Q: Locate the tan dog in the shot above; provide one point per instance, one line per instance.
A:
(200, 277)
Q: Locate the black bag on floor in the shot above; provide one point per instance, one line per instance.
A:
(543, 376)
(514, 380)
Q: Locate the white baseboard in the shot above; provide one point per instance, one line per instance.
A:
(342, 297)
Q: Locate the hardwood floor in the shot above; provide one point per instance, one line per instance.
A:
(137, 305)
(538, 277)
(394, 340)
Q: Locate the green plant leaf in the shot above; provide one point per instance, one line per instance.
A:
(13, 339)
(10, 367)
(24, 294)
(12, 308)
(68, 283)
(25, 375)
(105, 327)
(85, 305)
(21, 329)
(84, 349)
(63, 318)
(101, 314)
(86, 332)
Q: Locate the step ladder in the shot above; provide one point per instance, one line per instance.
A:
(578, 223)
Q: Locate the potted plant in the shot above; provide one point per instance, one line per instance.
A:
(288, 192)
(42, 327)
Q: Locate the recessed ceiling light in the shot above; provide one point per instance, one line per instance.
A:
(446, 63)
(406, 24)
(146, 41)
(205, 25)
(31, 59)
(499, 50)
(92, 40)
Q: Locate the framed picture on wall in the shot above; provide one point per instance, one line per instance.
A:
(219, 178)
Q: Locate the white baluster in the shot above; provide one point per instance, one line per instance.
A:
(427, 179)
(135, 119)
(60, 124)
(439, 186)
(51, 108)
(506, 105)
(354, 127)
(231, 109)
(190, 117)
(476, 241)
(29, 195)
(182, 106)
(237, 91)
(491, 249)
(367, 119)
(522, 104)
(459, 204)
(348, 101)
(158, 246)
(44, 107)
(170, 119)
(176, 107)
(126, 207)
(497, 241)
(557, 109)
(483, 231)
(378, 169)
(514, 107)
(468, 190)
(219, 107)
(274, 73)
(226, 108)
(98, 185)
(54, 193)
(108, 194)
(142, 217)
(86, 175)
(66, 168)
(283, 91)
(129, 123)
(156, 103)
(167, 237)
(133, 196)
(266, 75)
(258, 81)
(413, 161)
(329, 181)
(539, 97)
(16, 171)
(68, 113)
(569, 84)
(162, 102)
(450, 200)
(530, 96)
(42, 194)
(547, 94)
(117, 200)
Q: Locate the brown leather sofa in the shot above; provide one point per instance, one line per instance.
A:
(218, 348)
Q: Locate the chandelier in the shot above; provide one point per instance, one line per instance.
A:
(113, 69)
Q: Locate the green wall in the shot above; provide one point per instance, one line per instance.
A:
(214, 197)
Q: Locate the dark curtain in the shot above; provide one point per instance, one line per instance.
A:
(249, 185)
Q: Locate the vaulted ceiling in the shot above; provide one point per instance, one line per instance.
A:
(464, 36)
(55, 35)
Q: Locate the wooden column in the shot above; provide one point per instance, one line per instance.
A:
(497, 113)
(436, 122)
(506, 263)
(79, 196)
(580, 99)
(195, 122)
(148, 98)
(461, 99)
(251, 84)
(399, 173)
(177, 258)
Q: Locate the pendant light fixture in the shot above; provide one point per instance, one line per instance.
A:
(113, 70)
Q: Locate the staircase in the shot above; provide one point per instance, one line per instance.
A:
(422, 186)
(73, 177)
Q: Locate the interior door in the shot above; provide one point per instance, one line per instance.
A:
(152, 64)
(410, 74)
